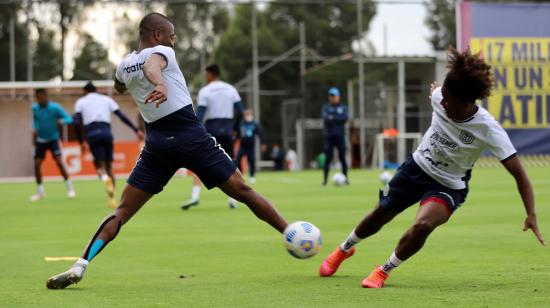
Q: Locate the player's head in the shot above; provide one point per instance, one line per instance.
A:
(212, 72)
(89, 87)
(334, 95)
(248, 115)
(41, 96)
(156, 29)
(469, 79)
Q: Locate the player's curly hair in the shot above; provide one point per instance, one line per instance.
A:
(469, 77)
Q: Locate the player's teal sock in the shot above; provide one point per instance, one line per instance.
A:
(97, 244)
(350, 241)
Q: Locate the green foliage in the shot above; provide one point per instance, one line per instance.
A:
(93, 62)
(197, 27)
(46, 61)
(440, 19)
(211, 256)
(21, 34)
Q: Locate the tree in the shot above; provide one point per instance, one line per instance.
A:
(197, 27)
(93, 62)
(331, 29)
(441, 20)
(69, 13)
(46, 61)
(8, 11)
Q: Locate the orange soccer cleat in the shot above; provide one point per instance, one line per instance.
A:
(375, 280)
(332, 262)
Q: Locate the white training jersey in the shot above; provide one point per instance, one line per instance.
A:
(130, 72)
(219, 98)
(449, 149)
(95, 107)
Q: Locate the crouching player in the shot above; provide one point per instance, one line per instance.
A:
(438, 172)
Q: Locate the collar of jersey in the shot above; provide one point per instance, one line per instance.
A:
(468, 119)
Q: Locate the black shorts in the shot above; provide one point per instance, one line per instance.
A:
(226, 142)
(205, 158)
(101, 146)
(41, 148)
(411, 184)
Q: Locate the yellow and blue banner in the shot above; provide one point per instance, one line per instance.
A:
(515, 40)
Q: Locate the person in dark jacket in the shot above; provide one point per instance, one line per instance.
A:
(335, 116)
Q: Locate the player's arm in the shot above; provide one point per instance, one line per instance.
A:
(120, 87)
(34, 128)
(201, 112)
(78, 127)
(237, 115)
(514, 166)
(153, 72)
(78, 122)
(64, 116)
(259, 132)
(128, 123)
(342, 117)
(327, 118)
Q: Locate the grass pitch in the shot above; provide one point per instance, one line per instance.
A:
(212, 256)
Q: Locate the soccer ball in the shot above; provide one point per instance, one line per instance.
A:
(302, 239)
(339, 179)
(385, 177)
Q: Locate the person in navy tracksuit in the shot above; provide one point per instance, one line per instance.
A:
(335, 116)
(249, 130)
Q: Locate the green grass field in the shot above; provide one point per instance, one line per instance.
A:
(213, 256)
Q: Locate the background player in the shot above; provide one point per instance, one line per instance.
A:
(45, 137)
(221, 108)
(335, 116)
(93, 110)
(248, 132)
(175, 139)
(437, 174)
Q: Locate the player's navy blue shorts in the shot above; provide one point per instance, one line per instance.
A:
(179, 141)
(41, 148)
(101, 146)
(411, 184)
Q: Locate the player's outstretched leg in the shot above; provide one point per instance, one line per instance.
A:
(371, 224)
(236, 188)
(131, 201)
(430, 216)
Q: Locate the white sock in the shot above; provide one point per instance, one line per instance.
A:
(69, 185)
(195, 192)
(392, 263)
(350, 241)
(40, 189)
(104, 177)
(80, 266)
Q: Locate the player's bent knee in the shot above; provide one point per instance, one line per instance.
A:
(423, 227)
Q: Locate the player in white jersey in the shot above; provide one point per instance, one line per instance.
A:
(93, 111)
(175, 139)
(221, 109)
(437, 174)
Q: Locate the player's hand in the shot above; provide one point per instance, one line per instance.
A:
(531, 223)
(433, 86)
(140, 135)
(158, 96)
(84, 148)
(263, 148)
